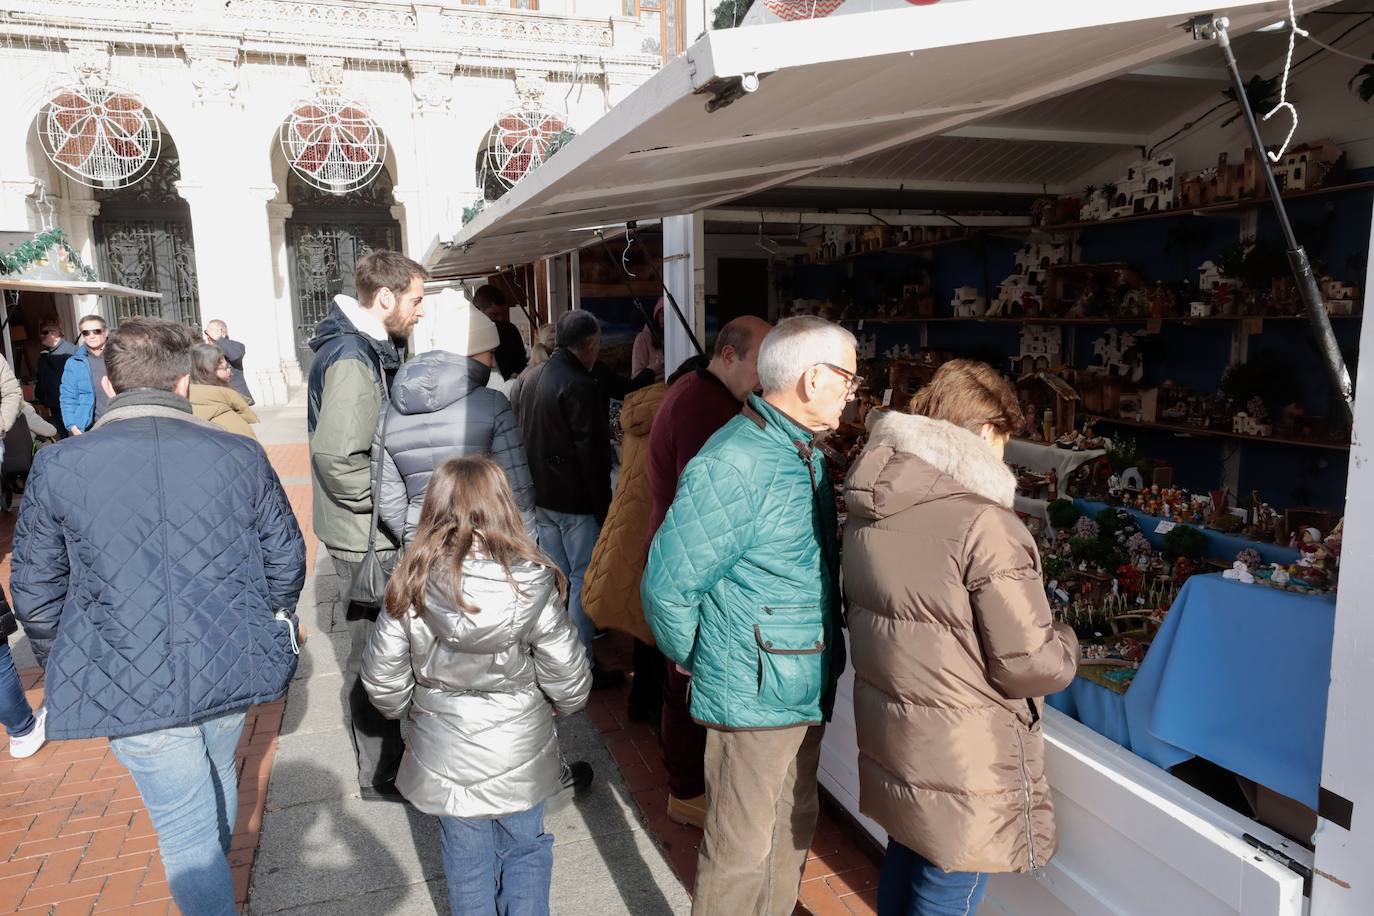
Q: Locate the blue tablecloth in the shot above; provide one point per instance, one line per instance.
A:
(1221, 546)
(1238, 675)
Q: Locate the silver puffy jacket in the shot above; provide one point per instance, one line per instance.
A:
(477, 688)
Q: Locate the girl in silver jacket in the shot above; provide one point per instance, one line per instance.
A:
(474, 647)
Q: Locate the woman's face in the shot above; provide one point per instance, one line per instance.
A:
(222, 370)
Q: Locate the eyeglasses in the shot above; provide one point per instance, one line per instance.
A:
(92, 332)
(854, 380)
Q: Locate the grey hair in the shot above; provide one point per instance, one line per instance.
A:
(576, 328)
(796, 345)
(217, 323)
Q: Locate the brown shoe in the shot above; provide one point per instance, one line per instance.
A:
(690, 812)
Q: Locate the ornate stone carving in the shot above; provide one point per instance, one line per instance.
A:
(495, 26)
(530, 86)
(214, 71)
(326, 72)
(432, 83)
(317, 16)
(90, 62)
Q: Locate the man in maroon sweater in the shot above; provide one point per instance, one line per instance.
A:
(697, 404)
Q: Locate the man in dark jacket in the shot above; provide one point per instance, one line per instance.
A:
(565, 421)
(355, 358)
(217, 334)
(48, 389)
(511, 357)
(697, 405)
(161, 608)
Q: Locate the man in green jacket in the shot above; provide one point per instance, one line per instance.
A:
(741, 590)
(355, 359)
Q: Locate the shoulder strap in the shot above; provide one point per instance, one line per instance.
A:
(377, 479)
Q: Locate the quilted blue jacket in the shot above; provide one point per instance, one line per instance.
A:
(77, 391)
(150, 558)
(740, 587)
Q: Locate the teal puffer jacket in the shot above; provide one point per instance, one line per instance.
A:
(740, 587)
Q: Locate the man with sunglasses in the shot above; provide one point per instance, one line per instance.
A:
(741, 590)
(85, 388)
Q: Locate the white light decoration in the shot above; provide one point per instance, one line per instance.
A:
(523, 138)
(99, 136)
(333, 143)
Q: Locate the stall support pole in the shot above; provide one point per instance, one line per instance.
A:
(574, 285)
(1297, 255)
(1343, 884)
(684, 277)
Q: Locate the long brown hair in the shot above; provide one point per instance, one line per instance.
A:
(968, 393)
(469, 505)
(205, 365)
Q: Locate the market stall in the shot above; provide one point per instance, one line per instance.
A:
(971, 216)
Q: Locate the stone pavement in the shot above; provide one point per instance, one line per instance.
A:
(74, 837)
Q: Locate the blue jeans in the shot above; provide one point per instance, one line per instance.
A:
(912, 885)
(189, 784)
(568, 539)
(15, 712)
(498, 866)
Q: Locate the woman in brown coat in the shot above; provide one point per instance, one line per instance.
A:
(211, 396)
(953, 647)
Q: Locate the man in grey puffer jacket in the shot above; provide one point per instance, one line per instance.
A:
(441, 407)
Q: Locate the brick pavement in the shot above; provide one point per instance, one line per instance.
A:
(74, 835)
(841, 876)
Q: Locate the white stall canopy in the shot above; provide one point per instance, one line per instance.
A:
(889, 93)
(74, 288)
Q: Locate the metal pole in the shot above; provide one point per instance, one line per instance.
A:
(1297, 255)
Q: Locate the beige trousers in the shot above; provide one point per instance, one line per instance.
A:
(761, 809)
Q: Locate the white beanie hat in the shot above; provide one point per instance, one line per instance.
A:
(458, 327)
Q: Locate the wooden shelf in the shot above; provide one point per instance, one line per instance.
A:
(1182, 430)
(1227, 206)
(918, 246)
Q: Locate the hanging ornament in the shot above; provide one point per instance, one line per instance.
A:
(99, 136)
(333, 143)
(792, 10)
(524, 138)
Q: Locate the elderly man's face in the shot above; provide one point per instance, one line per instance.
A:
(834, 387)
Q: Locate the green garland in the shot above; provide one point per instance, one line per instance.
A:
(36, 248)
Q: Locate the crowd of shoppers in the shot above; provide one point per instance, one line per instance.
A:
(720, 554)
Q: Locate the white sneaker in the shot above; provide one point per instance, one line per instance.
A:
(28, 745)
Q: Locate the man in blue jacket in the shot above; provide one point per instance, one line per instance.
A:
(85, 389)
(161, 608)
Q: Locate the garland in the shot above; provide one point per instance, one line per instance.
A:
(36, 249)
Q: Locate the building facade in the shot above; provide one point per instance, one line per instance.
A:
(220, 224)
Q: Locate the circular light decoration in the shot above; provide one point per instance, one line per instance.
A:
(333, 143)
(99, 136)
(523, 138)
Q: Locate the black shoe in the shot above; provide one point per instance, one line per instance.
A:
(606, 678)
(577, 776)
(382, 791)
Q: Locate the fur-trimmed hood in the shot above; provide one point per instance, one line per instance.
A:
(911, 460)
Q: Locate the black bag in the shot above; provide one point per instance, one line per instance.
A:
(369, 582)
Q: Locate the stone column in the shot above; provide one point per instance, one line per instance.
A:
(277, 215)
(234, 258)
(426, 196)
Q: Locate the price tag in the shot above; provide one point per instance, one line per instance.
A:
(1165, 527)
(861, 324)
(887, 397)
(1054, 585)
(1063, 595)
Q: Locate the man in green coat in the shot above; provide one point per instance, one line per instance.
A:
(355, 358)
(741, 590)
